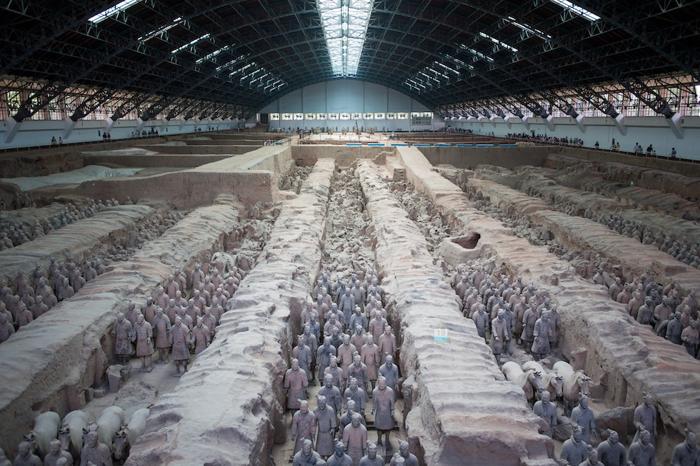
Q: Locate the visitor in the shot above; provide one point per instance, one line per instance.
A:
(597, 146)
(60, 141)
(650, 149)
(673, 153)
(53, 141)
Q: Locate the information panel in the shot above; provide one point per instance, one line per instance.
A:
(421, 118)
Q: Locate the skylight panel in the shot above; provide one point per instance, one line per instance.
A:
(240, 70)
(344, 27)
(113, 11)
(459, 62)
(476, 53)
(191, 43)
(213, 54)
(498, 42)
(526, 28)
(447, 67)
(162, 29)
(229, 64)
(577, 10)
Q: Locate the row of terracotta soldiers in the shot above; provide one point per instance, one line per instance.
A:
(15, 231)
(351, 367)
(505, 309)
(673, 316)
(24, 299)
(184, 326)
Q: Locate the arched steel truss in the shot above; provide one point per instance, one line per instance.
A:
(55, 43)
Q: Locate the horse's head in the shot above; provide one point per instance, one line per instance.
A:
(64, 438)
(31, 439)
(557, 382)
(120, 445)
(584, 383)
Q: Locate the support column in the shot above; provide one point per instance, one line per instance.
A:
(12, 128)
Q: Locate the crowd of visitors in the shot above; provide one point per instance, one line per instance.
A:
(638, 149)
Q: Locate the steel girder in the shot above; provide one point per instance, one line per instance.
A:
(632, 39)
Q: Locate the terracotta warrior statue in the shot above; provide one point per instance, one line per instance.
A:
(25, 457)
(201, 336)
(161, 329)
(500, 334)
(122, 339)
(372, 458)
(575, 450)
(383, 410)
(331, 392)
(181, 338)
(339, 458)
(95, 452)
(307, 456)
(408, 457)
(645, 418)
(642, 451)
(355, 439)
(55, 453)
(611, 452)
(295, 382)
(592, 459)
(686, 453)
(303, 425)
(584, 418)
(325, 427)
(545, 409)
(143, 335)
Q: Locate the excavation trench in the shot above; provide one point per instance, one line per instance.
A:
(55, 360)
(69, 257)
(229, 407)
(76, 241)
(347, 252)
(623, 358)
(654, 229)
(458, 404)
(618, 257)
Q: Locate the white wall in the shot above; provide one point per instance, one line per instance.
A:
(644, 130)
(39, 132)
(347, 96)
